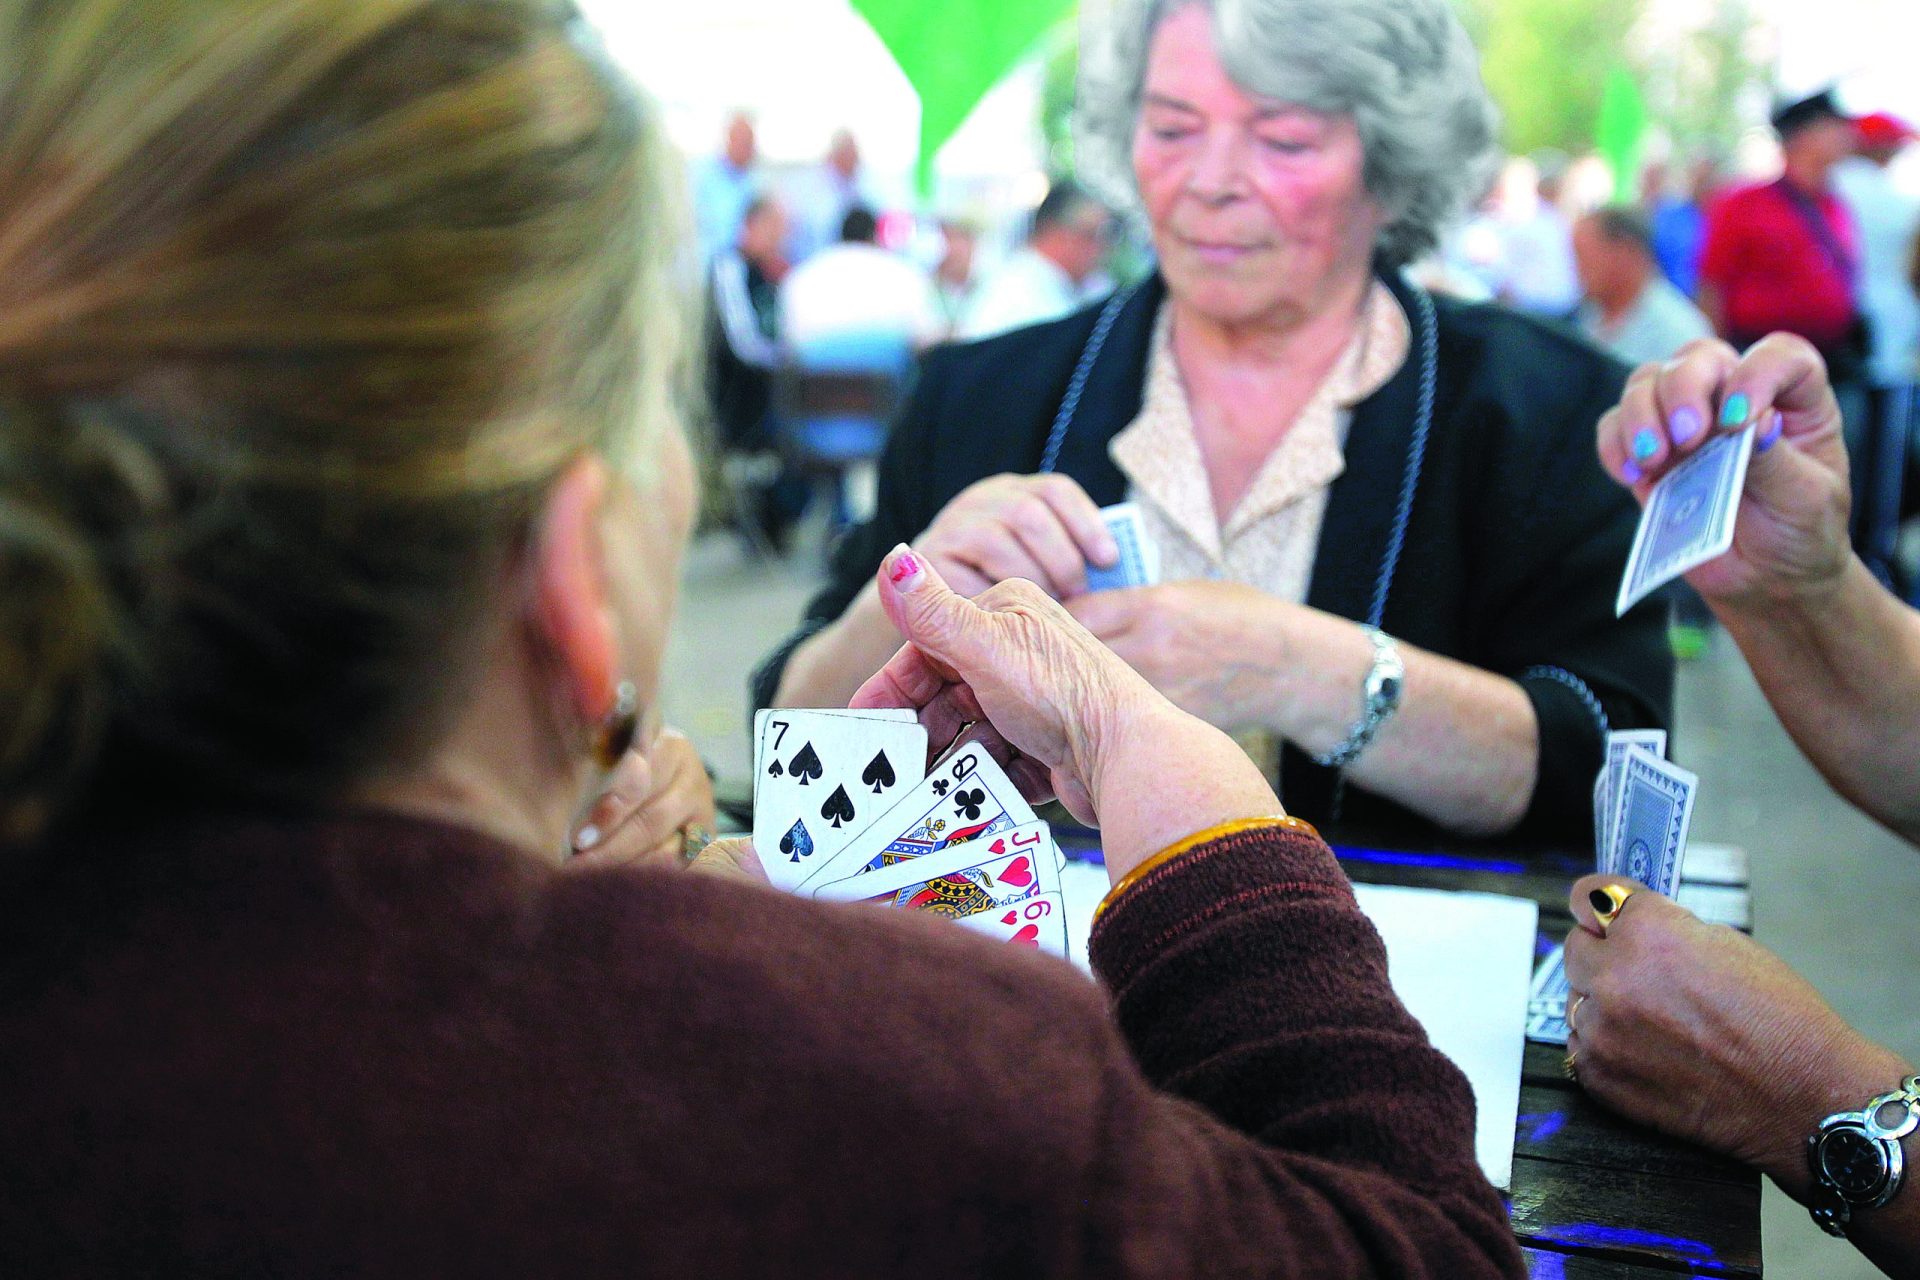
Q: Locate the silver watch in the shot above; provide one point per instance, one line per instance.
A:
(1380, 698)
(1856, 1159)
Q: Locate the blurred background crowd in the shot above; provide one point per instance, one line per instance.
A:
(841, 226)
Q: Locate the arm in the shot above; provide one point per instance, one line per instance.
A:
(1699, 1031)
(735, 310)
(1842, 671)
(1835, 653)
(1245, 980)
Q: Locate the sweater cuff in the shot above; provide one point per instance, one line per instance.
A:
(1218, 872)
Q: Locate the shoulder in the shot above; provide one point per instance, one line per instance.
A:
(1492, 351)
(1035, 353)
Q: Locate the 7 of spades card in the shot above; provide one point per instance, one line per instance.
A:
(822, 778)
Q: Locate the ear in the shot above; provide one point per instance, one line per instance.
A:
(572, 609)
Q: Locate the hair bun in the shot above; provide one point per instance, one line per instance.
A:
(74, 491)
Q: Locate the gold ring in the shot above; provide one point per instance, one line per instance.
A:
(1607, 902)
(1569, 1068)
(693, 838)
(1573, 1011)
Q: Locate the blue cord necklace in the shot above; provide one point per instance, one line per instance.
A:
(1429, 338)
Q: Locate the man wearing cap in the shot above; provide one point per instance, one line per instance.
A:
(1785, 256)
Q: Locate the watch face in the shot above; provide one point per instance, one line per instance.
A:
(1853, 1162)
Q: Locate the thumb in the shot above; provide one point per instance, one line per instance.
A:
(929, 614)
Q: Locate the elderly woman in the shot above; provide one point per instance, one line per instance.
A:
(340, 517)
(1350, 482)
(1698, 1029)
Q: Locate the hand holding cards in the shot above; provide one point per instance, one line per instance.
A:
(1139, 562)
(1688, 519)
(845, 810)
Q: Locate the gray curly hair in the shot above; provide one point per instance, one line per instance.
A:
(1404, 70)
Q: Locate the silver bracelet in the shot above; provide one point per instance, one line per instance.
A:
(1855, 1156)
(1380, 698)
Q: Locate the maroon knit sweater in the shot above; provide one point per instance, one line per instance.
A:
(382, 1047)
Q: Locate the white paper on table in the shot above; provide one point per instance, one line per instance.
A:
(1715, 864)
(1461, 963)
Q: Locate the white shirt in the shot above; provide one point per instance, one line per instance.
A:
(857, 290)
(1888, 219)
(1539, 271)
(1660, 322)
(1028, 288)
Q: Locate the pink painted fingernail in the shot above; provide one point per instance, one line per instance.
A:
(1631, 470)
(906, 573)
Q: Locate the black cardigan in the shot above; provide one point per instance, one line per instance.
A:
(1514, 549)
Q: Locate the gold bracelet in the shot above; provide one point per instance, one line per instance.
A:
(1193, 842)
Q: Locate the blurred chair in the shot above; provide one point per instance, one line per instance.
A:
(834, 401)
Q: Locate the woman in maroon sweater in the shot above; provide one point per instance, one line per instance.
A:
(340, 508)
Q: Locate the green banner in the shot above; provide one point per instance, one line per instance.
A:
(953, 53)
(1621, 130)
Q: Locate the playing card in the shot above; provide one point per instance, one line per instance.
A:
(1039, 922)
(889, 715)
(1547, 1001)
(1607, 789)
(1650, 820)
(821, 778)
(986, 874)
(1688, 518)
(966, 796)
(1139, 562)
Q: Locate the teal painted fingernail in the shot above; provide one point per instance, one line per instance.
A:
(1646, 443)
(1734, 411)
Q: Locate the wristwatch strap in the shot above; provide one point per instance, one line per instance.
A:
(1380, 698)
(1883, 1122)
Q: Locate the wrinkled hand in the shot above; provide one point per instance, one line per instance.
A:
(1043, 528)
(1064, 714)
(1790, 535)
(646, 802)
(1698, 1030)
(1213, 648)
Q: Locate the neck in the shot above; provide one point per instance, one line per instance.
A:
(1807, 173)
(1285, 342)
(1614, 307)
(511, 807)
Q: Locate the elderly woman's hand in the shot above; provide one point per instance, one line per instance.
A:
(1042, 528)
(655, 803)
(1214, 648)
(1068, 716)
(1790, 536)
(1698, 1030)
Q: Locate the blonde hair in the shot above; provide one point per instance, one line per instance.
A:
(304, 304)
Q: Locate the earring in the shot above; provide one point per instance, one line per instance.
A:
(617, 728)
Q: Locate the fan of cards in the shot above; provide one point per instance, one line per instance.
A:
(845, 809)
(1688, 518)
(1642, 808)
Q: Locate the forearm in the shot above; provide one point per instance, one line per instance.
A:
(1843, 674)
(1245, 979)
(828, 667)
(1462, 749)
(1819, 1080)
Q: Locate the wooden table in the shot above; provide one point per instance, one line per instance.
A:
(1594, 1197)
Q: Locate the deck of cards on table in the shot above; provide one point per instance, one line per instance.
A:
(1642, 809)
(846, 810)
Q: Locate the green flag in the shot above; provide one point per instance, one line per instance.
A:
(1621, 129)
(953, 53)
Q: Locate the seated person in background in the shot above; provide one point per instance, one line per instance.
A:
(1047, 277)
(340, 527)
(1342, 474)
(1698, 1029)
(1631, 309)
(743, 350)
(857, 291)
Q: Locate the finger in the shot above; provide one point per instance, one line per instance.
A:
(1081, 518)
(1049, 544)
(1627, 422)
(1782, 372)
(947, 628)
(624, 790)
(654, 834)
(1690, 392)
(994, 554)
(1589, 899)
